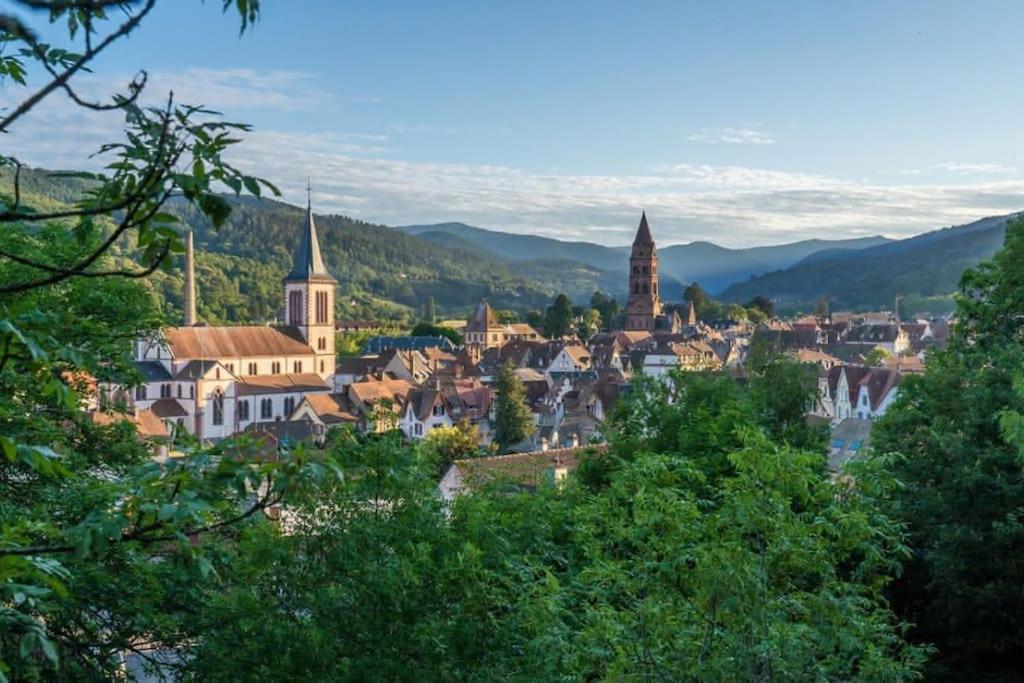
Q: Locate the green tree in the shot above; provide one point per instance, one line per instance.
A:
(425, 329)
(876, 357)
(444, 445)
(821, 308)
(695, 294)
(513, 419)
(736, 312)
(590, 323)
(535, 319)
(606, 306)
(559, 318)
(94, 534)
(763, 304)
(952, 439)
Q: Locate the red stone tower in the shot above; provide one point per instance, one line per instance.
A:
(644, 305)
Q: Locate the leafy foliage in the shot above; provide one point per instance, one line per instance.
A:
(513, 418)
(947, 440)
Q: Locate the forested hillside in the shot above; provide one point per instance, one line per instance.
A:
(382, 272)
(925, 270)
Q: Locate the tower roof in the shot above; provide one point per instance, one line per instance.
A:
(643, 232)
(483, 318)
(308, 263)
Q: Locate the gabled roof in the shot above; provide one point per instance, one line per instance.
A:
(152, 370)
(331, 408)
(308, 264)
(242, 341)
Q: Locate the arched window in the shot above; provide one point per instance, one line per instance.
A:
(636, 287)
(636, 270)
(266, 409)
(218, 407)
(243, 411)
(289, 406)
(645, 288)
(644, 270)
(321, 307)
(295, 307)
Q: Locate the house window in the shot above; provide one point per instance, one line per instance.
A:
(321, 366)
(297, 366)
(218, 373)
(191, 391)
(266, 409)
(218, 407)
(140, 392)
(275, 368)
(165, 391)
(289, 406)
(295, 307)
(179, 391)
(252, 368)
(243, 411)
(438, 410)
(231, 367)
(418, 429)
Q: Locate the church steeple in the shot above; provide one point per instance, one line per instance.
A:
(309, 297)
(643, 232)
(309, 263)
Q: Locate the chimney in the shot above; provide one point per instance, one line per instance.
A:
(190, 281)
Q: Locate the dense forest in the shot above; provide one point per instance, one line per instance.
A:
(924, 271)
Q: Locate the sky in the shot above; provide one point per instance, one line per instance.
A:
(741, 123)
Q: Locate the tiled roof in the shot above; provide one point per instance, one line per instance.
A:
(276, 384)
(146, 422)
(331, 408)
(168, 407)
(234, 342)
(525, 469)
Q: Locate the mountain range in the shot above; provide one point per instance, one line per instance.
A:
(713, 266)
(924, 271)
(390, 273)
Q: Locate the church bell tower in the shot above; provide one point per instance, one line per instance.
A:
(644, 304)
(309, 297)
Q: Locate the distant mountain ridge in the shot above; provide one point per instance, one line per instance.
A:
(926, 266)
(713, 266)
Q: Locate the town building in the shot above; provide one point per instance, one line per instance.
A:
(484, 331)
(215, 381)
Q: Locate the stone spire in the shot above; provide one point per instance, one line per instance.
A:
(308, 263)
(691, 316)
(643, 232)
(190, 281)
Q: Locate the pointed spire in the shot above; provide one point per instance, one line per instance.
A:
(643, 233)
(309, 263)
(190, 281)
(691, 316)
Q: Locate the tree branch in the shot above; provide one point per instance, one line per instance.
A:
(80, 63)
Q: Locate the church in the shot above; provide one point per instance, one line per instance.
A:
(644, 311)
(215, 381)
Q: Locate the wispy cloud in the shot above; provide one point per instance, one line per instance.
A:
(357, 173)
(732, 136)
(975, 168)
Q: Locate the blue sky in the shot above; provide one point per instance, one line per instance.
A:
(738, 122)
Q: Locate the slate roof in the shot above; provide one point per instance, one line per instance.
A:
(381, 343)
(308, 264)
(248, 341)
(153, 371)
(196, 369)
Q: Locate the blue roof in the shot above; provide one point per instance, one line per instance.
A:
(382, 343)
